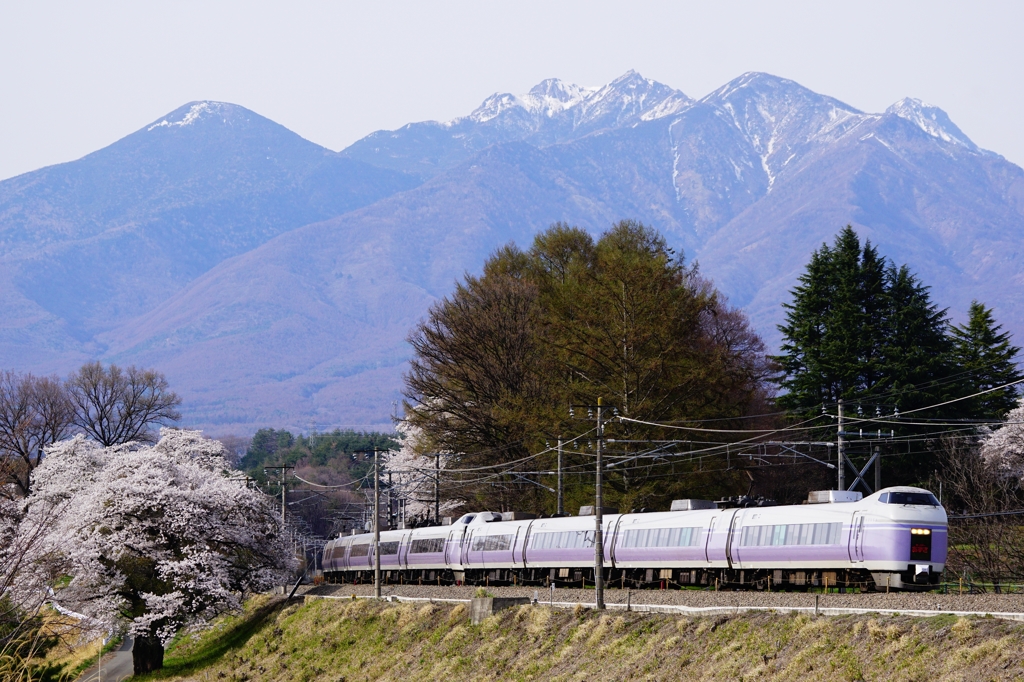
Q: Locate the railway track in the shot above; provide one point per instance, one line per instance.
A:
(710, 603)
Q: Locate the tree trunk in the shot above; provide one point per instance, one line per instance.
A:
(147, 655)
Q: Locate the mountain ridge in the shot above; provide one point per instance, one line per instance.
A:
(274, 322)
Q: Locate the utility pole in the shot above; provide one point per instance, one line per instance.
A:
(437, 489)
(391, 504)
(599, 520)
(561, 508)
(283, 471)
(839, 448)
(878, 469)
(376, 523)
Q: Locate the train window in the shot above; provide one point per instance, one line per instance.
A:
(571, 539)
(427, 546)
(360, 550)
(925, 499)
(388, 548)
(792, 534)
(661, 537)
(492, 543)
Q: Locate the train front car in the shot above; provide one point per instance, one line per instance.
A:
(894, 539)
(900, 536)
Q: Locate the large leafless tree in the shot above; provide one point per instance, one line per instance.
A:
(114, 405)
(34, 412)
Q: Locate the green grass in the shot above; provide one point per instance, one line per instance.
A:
(364, 640)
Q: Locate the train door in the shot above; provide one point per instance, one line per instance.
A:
(856, 546)
(736, 516)
(467, 538)
(448, 549)
(520, 532)
(613, 538)
(526, 542)
(707, 538)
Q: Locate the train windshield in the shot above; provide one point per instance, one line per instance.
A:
(926, 499)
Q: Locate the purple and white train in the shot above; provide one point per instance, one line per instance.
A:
(893, 539)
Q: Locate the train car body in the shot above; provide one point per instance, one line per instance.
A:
(893, 539)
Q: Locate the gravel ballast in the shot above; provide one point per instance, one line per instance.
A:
(895, 601)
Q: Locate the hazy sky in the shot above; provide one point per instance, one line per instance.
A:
(75, 77)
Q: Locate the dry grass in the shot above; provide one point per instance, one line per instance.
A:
(363, 640)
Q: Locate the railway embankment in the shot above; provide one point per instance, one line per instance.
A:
(363, 639)
(901, 602)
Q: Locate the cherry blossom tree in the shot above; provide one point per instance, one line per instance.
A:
(1004, 447)
(154, 537)
(412, 478)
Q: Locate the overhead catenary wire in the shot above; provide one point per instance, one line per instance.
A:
(936, 405)
(796, 427)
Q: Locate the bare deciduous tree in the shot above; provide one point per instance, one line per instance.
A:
(34, 412)
(114, 406)
(235, 447)
(986, 543)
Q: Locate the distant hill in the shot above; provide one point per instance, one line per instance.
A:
(287, 294)
(90, 244)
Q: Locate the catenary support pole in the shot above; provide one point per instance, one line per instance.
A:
(376, 524)
(561, 507)
(878, 469)
(437, 489)
(840, 451)
(599, 520)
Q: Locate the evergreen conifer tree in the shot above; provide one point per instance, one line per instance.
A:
(985, 356)
(914, 346)
(865, 330)
(831, 346)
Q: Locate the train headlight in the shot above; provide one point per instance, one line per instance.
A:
(920, 531)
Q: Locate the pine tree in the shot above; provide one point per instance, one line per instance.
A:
(986, 357)
(831, 347)
(914, 345)
(865, 330)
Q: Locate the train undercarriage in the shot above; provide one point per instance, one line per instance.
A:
(843, 580)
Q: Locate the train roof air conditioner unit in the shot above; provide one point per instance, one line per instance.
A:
(828, 496)
(517, 516)
(691, 505)
(588, 510)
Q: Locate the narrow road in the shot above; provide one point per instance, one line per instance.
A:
(117, 665)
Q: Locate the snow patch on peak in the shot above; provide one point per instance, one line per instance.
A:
(931, 120)
(632, 95)
(494, 105)
(628, 97)
(553, 96)
(195, 112)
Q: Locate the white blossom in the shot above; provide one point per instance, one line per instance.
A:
(155, 537)
(412, 476)
(1004, 447)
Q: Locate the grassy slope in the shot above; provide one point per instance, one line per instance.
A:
(362, 640)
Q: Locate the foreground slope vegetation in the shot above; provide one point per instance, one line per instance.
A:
(363, 640)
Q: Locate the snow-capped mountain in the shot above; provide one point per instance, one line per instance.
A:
(931, 120)
(275, 281)
(552, 112)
